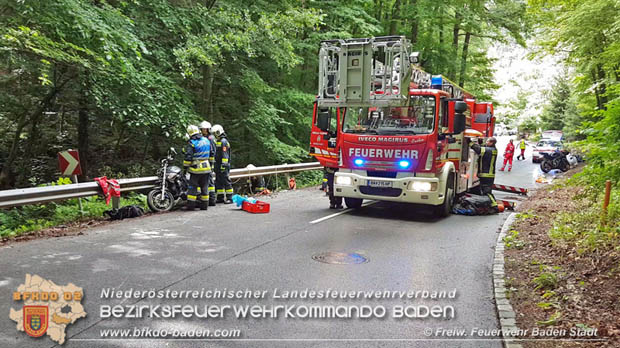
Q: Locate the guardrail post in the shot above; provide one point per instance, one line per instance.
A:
(75, 180)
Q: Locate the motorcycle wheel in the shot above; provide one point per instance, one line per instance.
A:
(155, 202)
(546, 166)
(564, 166)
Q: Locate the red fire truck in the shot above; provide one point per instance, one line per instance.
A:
(393, 131)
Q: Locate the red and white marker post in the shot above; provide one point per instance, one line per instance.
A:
(69, 164)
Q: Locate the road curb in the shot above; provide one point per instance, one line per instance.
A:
(505, 312)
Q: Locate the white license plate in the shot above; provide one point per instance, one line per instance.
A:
(379, 183)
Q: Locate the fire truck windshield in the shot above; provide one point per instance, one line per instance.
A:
(416, 118)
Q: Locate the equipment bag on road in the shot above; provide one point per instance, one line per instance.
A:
(130, 211)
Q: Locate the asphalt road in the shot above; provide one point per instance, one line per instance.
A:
(225, 248)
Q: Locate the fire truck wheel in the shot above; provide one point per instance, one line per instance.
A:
(445, 209)
(353, 203)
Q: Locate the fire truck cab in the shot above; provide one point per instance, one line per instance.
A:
(393, 131)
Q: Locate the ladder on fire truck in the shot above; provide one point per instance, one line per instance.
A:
(368, 71)
(374, 71)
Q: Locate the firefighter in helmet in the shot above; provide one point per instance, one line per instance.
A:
(256, 184)
(205, 129)
(196, 163)
(223, 185)
(486, 166)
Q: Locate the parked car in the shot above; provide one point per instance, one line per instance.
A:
(545, 145)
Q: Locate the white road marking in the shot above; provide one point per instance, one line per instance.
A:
(339, 213)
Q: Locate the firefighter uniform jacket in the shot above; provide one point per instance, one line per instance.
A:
(257, 184)
(213, 149)
(222, 154)
(486, 162)
(197, 152)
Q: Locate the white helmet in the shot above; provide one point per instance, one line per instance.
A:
(186, 136)
(205, 125)
(192, 130)
(217, 130)
(250, 166)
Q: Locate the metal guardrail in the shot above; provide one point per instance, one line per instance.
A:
(40, 195)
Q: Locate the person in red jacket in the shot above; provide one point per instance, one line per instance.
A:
(508, 153)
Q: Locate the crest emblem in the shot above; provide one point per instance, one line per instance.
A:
(35, 320)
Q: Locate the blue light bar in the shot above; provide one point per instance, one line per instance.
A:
(437, 82)
(359, 162)
(404, 164)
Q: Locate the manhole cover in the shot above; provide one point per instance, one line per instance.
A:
(340, 258)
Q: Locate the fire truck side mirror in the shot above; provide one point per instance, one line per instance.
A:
(460, 107)
(323, 119)
(459, 117)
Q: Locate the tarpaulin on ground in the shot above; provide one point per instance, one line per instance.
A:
(475, 205)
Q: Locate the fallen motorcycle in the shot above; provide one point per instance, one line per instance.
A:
(170, 188)
(555, 160)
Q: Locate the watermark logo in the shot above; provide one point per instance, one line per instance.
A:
(35, 320)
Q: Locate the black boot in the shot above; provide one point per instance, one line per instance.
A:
(212, 202)
(191, 205)
(204, 205)
(220, 199)
(228, 201)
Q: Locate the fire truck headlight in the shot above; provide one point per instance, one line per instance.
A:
(429, 160)
(422, 186)
(343, 180)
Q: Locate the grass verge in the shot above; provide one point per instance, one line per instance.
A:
(563, 267)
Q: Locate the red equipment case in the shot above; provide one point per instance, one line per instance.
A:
(259, 207)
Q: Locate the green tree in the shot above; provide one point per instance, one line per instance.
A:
(560, 104)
